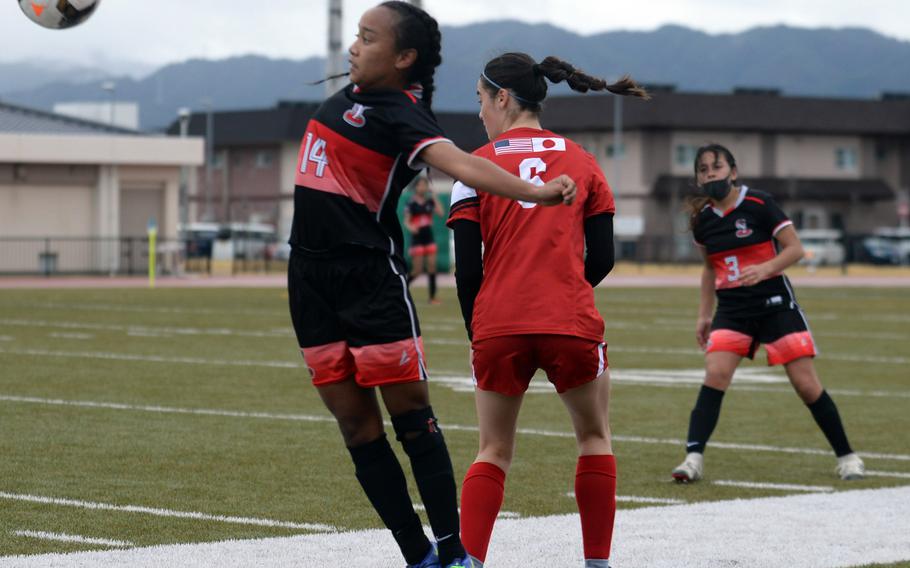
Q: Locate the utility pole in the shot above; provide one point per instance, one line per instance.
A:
(335, 57)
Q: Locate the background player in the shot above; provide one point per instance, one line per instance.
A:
(418, 218)
(353, 317)
(747, 242)
(528, 302)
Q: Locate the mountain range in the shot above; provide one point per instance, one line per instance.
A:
(846, 62)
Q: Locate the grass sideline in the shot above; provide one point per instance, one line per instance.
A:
(232, 352)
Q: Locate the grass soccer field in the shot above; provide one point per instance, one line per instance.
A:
(146, 418)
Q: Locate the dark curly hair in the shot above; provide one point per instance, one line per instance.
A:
(419, 31)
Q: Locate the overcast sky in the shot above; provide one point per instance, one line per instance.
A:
(153, 32)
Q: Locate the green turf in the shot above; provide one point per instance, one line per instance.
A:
(233, 350)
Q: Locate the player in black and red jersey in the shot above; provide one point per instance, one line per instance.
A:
(528, 298)
(748, 242)
(353, 316)
(418, 218)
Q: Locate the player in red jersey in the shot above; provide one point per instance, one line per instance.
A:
(748, 242)
(528, 298)
(418, 218)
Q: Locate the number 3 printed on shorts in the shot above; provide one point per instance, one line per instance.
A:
(528, 170)
(314, 151)
(732, 268)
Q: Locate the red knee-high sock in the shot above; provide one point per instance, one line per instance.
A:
(595, 493)
(481, 498)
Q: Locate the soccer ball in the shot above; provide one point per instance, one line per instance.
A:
(58, 14)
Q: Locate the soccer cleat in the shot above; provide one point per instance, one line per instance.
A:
(467, 562)
(850, 467)
(690, 469)
(431, 560)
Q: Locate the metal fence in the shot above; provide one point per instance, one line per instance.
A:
(52, 256)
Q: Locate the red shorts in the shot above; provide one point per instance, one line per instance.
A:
(507, 363)
(422, 250)
(370, 365)
(785, 334)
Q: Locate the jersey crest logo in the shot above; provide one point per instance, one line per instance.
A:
(742, 231)
(354, 115)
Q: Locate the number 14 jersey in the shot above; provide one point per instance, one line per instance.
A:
(739, 237)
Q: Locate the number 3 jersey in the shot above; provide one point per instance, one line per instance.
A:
(739, 237)
(533, 258)
(358, 153)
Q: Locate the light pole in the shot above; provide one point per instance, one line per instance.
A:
(183, 115)
(209, 158)
(335, 59)
(111, 88)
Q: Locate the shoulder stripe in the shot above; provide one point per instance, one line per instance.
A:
(755, 199)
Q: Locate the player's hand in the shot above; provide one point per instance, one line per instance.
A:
(559, 190)
(702, 331)
(752, 275)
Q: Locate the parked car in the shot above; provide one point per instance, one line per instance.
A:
(199, 238)
(824, 247)
(889, 245)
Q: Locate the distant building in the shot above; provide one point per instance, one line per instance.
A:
(64, 180)
(831, 163)
(119, 114)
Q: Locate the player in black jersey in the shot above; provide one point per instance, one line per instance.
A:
(747, 242)
(418, 218)
(353, 316)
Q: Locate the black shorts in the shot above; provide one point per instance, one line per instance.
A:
(354, 316)
(785, 334)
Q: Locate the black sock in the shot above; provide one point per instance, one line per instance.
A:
(383, 481)
(432, 278)
(422, 440)
(828, 419)
(703, 418)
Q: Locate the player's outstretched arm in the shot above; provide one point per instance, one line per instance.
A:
(486, 176)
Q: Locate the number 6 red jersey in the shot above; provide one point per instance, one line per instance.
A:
(533, 259)
(739, 237)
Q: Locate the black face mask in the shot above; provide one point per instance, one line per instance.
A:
(717, 189)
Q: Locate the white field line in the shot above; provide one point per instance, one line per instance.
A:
(151, 358)
(647, 378)
(70, 335)
(148, 309)
(633, 499)
(895, 474)
(501, 515)
(445, 426)
(288, 364)
(140, 329)
(774, 486)
(316, 527)
(7, 338)
(849, 528)
(61, 537)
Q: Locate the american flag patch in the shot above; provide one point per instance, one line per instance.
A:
(513, 146)
(528, 145)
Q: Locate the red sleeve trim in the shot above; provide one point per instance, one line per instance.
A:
(420, 146)
(780, 226)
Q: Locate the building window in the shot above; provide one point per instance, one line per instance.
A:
(845, 158)
(685, 154)
(264, 158)
(612, 153)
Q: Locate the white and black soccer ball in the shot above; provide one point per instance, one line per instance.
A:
(58, 14)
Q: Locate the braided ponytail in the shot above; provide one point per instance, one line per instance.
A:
(417, 30)
(520, 74)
